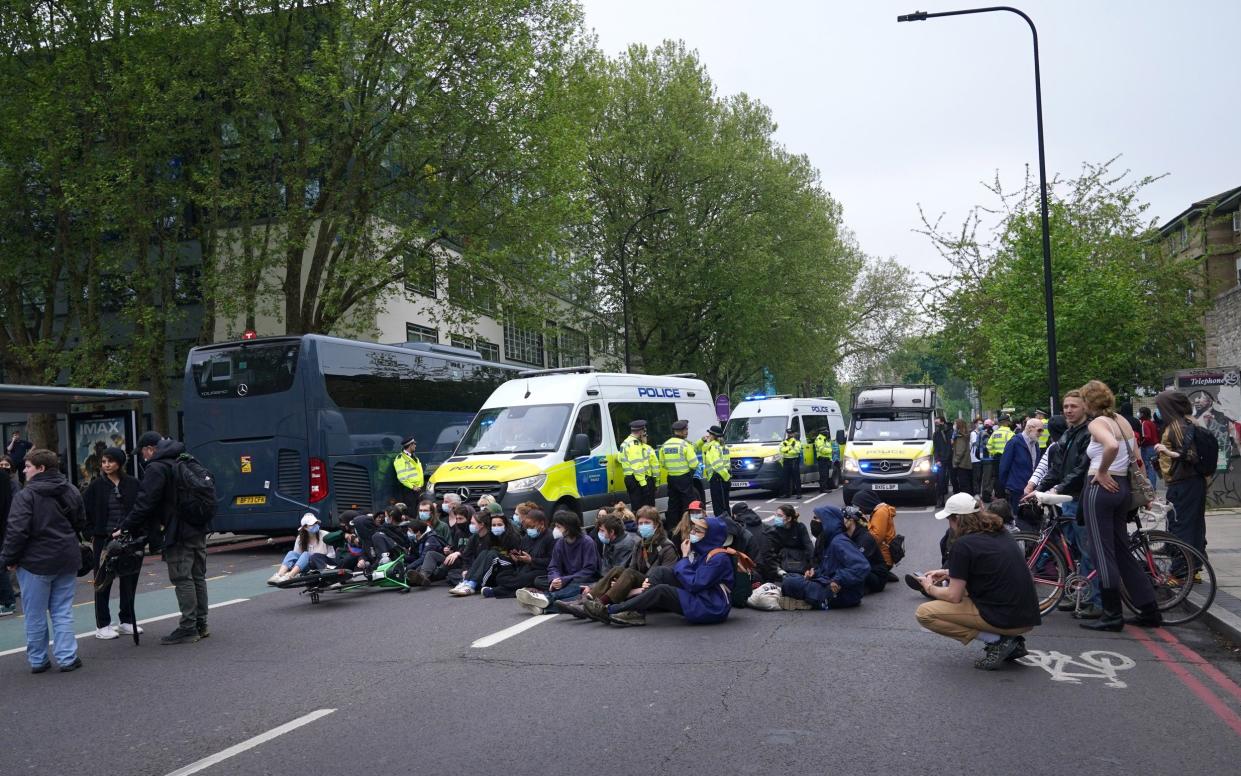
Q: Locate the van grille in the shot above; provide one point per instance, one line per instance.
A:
(472, 491)
(351, 484)
(290, 477)
(885, 466)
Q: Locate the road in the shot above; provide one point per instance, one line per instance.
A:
(380, 682)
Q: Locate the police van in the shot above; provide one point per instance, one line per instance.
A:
(890, 449)
(553, 436)
(759, 424)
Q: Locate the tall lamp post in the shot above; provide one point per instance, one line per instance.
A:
(625, 275)
(1053, 375)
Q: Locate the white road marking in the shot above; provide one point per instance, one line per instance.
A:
(771, 500)
(250, 743)
(140, 622)
(1095, 664)
(816, 498)
(507, 633)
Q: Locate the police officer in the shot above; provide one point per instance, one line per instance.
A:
(408, 473)
(679, 460)
(790, 464)
(823, 446)
(715, 463)
(995, 449)
(635, 462)
(1044, 437)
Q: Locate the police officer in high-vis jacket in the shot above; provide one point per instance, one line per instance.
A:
(715, 469)
(635, 461)
(679, 460)
(408, 469)
(823, 457)
(790, 463)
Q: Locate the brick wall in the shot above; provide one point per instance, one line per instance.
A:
(1223, 330)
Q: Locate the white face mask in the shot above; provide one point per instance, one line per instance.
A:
(557, 533)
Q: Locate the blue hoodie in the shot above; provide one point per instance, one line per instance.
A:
(705, 584)
(842, 562)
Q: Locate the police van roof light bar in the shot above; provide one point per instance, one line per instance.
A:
(690, 375)
(564, 370)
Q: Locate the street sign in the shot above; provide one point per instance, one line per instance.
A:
(722, 407)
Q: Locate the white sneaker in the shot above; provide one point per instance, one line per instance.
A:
(106, 632)
(125, 629)
(462, 590)
(532, 609)
(532, 598)
(275, 579)
(384, 559)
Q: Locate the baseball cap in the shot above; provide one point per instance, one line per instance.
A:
(149, 439)
(309, 519)
(694, 505)
(958, 504)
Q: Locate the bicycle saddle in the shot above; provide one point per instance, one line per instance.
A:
(1052, 499)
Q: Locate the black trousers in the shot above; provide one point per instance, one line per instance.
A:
(1108, 523)
(963, 481)
(791, 483)
(875, 581)
(640, 495)
(719, 495)
(661, 596)
(825, 475)
(681, 492)
(1189, 524)
(129, 587)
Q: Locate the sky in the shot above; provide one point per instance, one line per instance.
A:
(900, 115)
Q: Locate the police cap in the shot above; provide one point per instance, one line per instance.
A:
(793, 430)
(716, 431)
(680, 425)
(407, 441)
(638, 425)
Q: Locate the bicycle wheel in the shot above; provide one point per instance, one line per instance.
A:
(1184, 581)
(1047, 566)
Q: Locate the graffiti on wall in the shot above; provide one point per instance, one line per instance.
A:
(1216, 397)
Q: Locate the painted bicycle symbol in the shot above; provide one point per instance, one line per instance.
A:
(1095, 664)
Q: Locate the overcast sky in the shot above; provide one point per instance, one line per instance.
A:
(897, 115)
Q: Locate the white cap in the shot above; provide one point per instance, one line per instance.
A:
(958, 504)
(309, 519)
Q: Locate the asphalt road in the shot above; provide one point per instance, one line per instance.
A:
(862, 690)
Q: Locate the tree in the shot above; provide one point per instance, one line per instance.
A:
(1124, 311)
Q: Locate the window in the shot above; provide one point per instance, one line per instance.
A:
(1239, 270)
(420, 274)
(187, 285)
(490, 351)
(605, 340)
(553, 344)
(1236, 222)
(471, 292)
(574, 348)
(659, 418)
(244, 370)
(813, 424)
(416, 333)
(524, 346)
(534, 428)
(590, 422)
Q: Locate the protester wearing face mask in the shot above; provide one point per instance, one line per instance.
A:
(694, 512)
(616, 545)
(426, 553)
(574, 564)
(618, 583)
(525, 564)
(789, 540)
(451, 562)
(837, 580)
(496, 542)
(309, 549)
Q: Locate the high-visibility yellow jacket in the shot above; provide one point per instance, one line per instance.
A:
(715, 460)
(634, 460)
(408, 470)
(822, 448)
(998, 441)
(677, 456)
(790, 448)
(1044, 439)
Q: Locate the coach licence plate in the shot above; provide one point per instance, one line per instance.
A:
(886, 486)
(249, 501)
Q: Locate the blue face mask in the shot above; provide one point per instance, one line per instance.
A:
(533, 533)
(411, 535)
(516, 520)
(497, 530)
(314, 529)
(424, 516)
(473, 528)
(646, 530)
(694, 538)
(603, 537)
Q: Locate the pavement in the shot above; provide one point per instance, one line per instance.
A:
(423, 683)
(1224, 553)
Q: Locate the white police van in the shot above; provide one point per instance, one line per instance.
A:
(552, 436)
(759, 424)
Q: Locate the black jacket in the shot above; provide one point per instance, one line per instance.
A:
(6, 500)
(1055, 462)
(96, 498)
(865, 542)
(793, 547)
(758, 546)
(1071, 477)
(941, 442)
(44, 521)
(157, 498)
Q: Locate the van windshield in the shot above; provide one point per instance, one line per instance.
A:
(531, 429)
(893, 427)
(766, 429)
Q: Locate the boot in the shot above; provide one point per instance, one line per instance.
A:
(1148, 616)
(1112, 619)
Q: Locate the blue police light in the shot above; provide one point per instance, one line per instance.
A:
(755, 397)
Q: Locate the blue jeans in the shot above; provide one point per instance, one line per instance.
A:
(1148, 460)
(303, 560)
(42, 593)
(1079, 538)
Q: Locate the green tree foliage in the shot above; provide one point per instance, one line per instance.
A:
(1125, 313)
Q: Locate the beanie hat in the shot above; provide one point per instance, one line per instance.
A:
(115, 454)
(866, 501)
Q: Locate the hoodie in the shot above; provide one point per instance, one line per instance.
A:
(842, 562)
(705, 583)
(759, 546)
(43, 525)
(157, 498)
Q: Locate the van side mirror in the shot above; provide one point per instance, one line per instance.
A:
(578, 447)
(840, 436)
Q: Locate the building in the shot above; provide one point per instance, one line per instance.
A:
(1209, 232)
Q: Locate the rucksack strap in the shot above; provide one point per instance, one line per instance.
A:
(743, 561)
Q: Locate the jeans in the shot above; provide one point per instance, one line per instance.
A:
(304, 560)
(1079, 538)
(1189, 521)
(1149, 457)
(7, 597)
(187, 571)
(42, 593)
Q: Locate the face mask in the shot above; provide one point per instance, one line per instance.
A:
(473, 528)
(533, 533)
(497, 530)
(774, 520)
(695, 516)
(603, 537)
(694, 538)
(314, 529)
(445, 508)
(516, 520)
(816, 528)
(411, 535)
(557, 533)
(424, 516)
(646, 530)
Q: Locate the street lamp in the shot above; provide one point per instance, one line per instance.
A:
(625, 274)
(1053, 376)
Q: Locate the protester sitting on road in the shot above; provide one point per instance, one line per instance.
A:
(574, 564)
(108, 498)
(696, 587)
(877, 577)
(523, 565)
(426, 553)
(350, 551)
(41, 544)
(990, 593)
(789, 540)
(880, 521)
(620, 582)
(758, 544)
(837, 581)
(450, 562)
(616, 545)
(309, 549)
(499, 542)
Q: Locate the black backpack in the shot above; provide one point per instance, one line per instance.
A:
(195, 491)
(1202, 451)
(896, 549)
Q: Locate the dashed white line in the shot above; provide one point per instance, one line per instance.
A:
(507, 633)
(816, 498)
(250, 743)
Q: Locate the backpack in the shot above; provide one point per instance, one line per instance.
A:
(896, 549)
(195, 491)
(1202, 451)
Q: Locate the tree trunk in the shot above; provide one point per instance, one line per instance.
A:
(44, 431)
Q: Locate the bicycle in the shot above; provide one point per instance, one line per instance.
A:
(1175, 568)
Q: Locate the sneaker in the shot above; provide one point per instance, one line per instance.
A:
(106, 633)
(460, 590)
(41, 669)
(179, 636)
(571, 607)
(532, 609)
(383, 559)
(489, 592)
(294, 573)
(125, 629)
(596, 611)
(75, 665)
(1019, 651)
(275, 579)
(5, 611)
(202, 631)
(529, 596)
(995, 654)
(628, 619)
(790, 604)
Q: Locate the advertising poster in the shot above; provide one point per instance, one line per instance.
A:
(93, 432)
(1216, 397)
